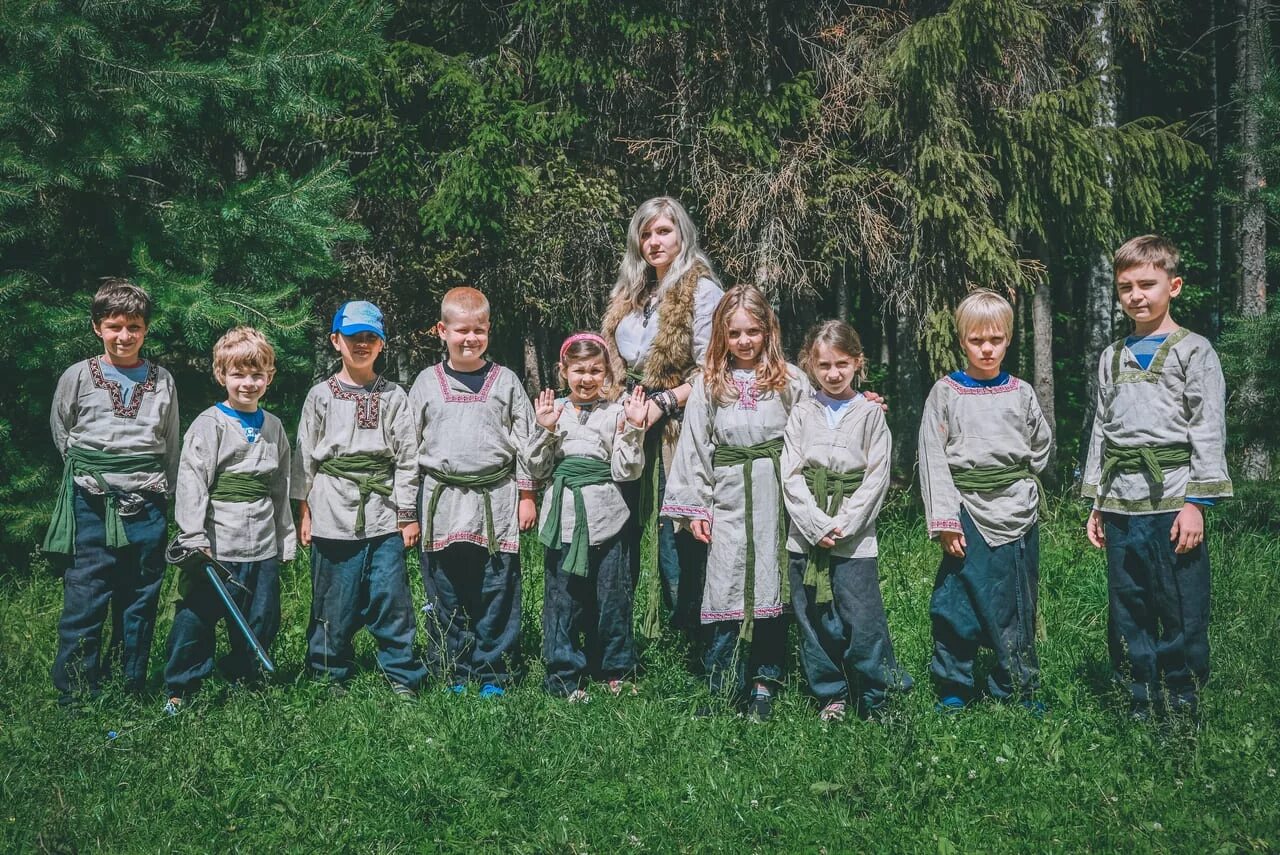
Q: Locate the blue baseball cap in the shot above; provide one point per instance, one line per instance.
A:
(359, 316)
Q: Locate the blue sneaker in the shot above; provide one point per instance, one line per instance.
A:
(950, 705)
(489, 690)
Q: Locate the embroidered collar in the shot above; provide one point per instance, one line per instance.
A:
(453, 397)
(1012, 384)
(368, 404)
(1129, 367)
(112, 388)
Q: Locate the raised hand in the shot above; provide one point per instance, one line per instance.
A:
(636, 406)
(546, 409)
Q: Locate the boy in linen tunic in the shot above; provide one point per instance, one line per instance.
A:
(987, 584)
(357, 541)
(699, 490)
(471, 538)
(250, 538)
(1160, 391)
(850, 636)
(113, 404)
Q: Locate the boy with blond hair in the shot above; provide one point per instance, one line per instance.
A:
(232, 503)
(1156, 456)
(983, 443)
(356, 482)
(115, 422)
(474, 421)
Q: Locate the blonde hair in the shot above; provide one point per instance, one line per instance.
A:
(1148, 249)
(463, 300)
(982, 309)
(838, 336)
(771, 367)
(245, 348)
(635, 275)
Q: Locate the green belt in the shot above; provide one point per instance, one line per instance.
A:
(475, 482)
(60, 539)
(744, 456)
(650, 622)
(830, 488)
(983, 479)
(372, 473)
(573, 473)
(240, 487)
(1152, 459)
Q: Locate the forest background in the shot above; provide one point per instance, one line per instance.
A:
(264, 162)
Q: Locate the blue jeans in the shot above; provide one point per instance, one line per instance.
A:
(597, 606)
(357, 583)
(987, 598)
(847, 640)
(729, 663)
(473, 613)
(1158, 609)
(127, 579)
(193, 638)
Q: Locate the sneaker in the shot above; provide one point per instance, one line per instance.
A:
(403, 692)
(833, 711)
(173, 706)
(617, 687)
(489, 690)
(950, 705)
(761, 706)
(578, 696)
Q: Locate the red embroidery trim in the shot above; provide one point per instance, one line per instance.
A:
(686, 511)
(748, 393)
(945, 525)
(1013, 384)
(368, 404)
(470, 537)
(117, 395)
(453, 397)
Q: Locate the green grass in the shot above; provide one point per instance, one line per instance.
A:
(290, 768)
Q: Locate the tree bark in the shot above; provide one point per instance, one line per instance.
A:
(908, 397)
(1042, 350)
(532, 369)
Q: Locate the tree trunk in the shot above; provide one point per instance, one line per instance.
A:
(1250, 61)
(532, 369)
(839, 274)
(908, 394)
(1215, 154)
(1042, 350)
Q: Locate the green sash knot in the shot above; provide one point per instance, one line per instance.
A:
(744, 456)
(830, 488)
(1152, 459)
(60, 539)
(982, 479)
(573, 473)
(241, 487)
(484, 483)
(372, 473)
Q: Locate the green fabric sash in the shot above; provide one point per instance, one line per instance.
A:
(830, 488)
(241, 487)
(981, 479)
(573, 473)
(484, 483)
(60, 539)
(1152, 459)
(650, 621)
(372, 473)
(744, 456)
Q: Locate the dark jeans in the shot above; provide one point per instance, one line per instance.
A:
(127, 579)
(987, 598)
(847, 640)
(473, 613)
(357, 583)
(1158, 615)
(193, 638)
(730, 664)
(596, 606)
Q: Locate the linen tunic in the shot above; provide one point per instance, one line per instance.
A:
(697, 489)
(336, 421)
(590, 433)
(859, 441)
(89, 412)
(1179, 399)
(967, 427)
(234, 531)
(461, 432)
(635, 335)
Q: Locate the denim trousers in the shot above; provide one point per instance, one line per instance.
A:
(193, 637)
(845, 644)
(127, 580)
(730, 663)
(1158, 609)
(987, 598)
(473, 613)
(361, 583)
(586, 620)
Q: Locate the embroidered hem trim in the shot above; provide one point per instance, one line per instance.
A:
(688, 511)
(737, 614)
(406, 515)
(945, 525)
(470, 537)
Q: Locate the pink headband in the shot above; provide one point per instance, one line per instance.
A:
(582, 336)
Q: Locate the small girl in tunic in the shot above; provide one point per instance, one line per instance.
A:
(725, 485)
(835, 474)
(585, 445)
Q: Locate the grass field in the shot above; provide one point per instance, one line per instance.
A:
(290, 768)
